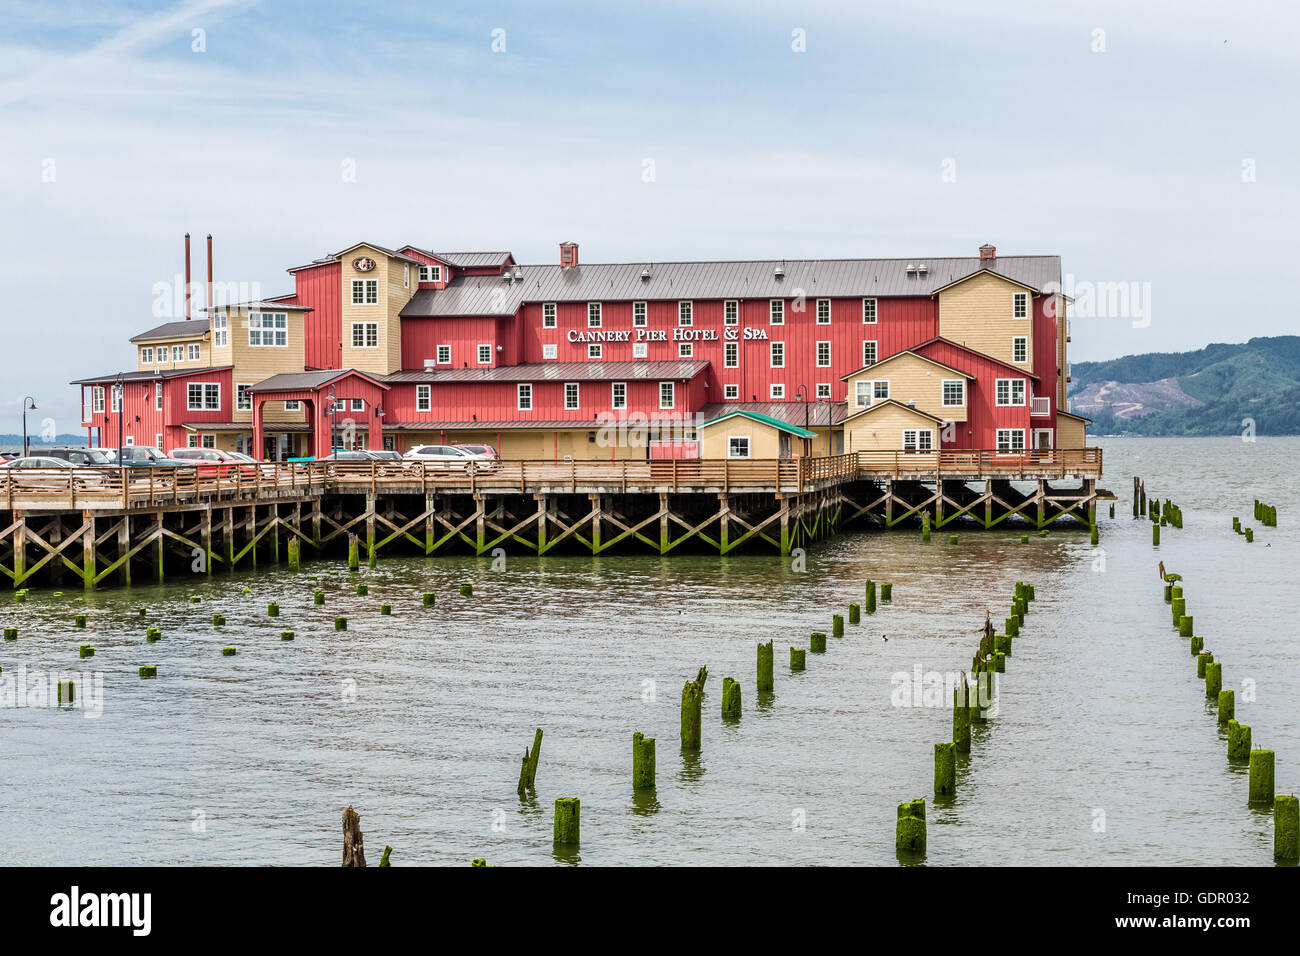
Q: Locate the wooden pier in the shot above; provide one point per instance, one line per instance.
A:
(103, 525)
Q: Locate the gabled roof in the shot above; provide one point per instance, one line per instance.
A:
(374, 245)
(762, 420)
(581, 371)
(622, 281)
(148, 375)
(793, 412)
(923, 358)
(987, 271)
(185, 328)
(298, 381)
(970, 351)
(876, 406)
(1061, 411)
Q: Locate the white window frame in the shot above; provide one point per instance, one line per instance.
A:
(595, 315)
(732, 446)
(731, 355)
(524, 397)
(220, 328)
(618, 395)
(365, 291)
(776, 390)
(640, 350)
(827, 362)
(824, 318)
(357, 405)
(157, 396)
(1019, 304)
(1012, 386)
(192, 440)
(875, 352)
(685, 349)
(730, 311)
(550, 350)
(859, 386)
(915, 441)
(146, 355)
(875, 390)
(481, 348)
(1015, 343)
(97, 399)
(549, 315)
(365, 328)
(178, 353)
(685, 313)
(824, 390)
(292, 405)
(572, 396)
(595, 350)
(244, 404)
(423, 398)
(870, 311)
(670, 390)
(640, 315)
(205, 389)
(117, 398)
(776, 354)
(731, 392)
(193, 352)
(961, 388)
(406, 275)
(206, 441)
(430, 273)
(438, 354)
(259, 331)
(1010, 434)
(776, 311)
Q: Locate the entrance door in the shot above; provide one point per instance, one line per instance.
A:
(270, 448)
(1043, 439)
(785, 445)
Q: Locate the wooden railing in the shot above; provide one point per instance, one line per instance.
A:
(107, 486)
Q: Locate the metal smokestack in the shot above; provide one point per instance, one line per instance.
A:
(208, 302)
(187, 277)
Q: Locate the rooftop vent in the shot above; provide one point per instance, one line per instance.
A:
(778, 272)
(988, 252)
(921, 270)
(568, 255)
(645, 274)
(911, 269)
(519, 276)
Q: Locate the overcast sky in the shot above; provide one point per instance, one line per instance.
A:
(1152, 144)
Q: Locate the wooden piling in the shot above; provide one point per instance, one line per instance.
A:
(798, 659)
(354, 553)
(1238, 740)
(295, 552)
(229, 652)
(568, 814)
(730, 699)
(871, 597)
(1155, 535)
(340, 624)
(528, 767)
(1213, 680)
(1185, 626)
(945, 769)
(766, 678)
(385, 609)
(286, 635)
(1203, 660)
(148, 670)
(1261, 777)
(363, 589)
(817, 642)
(909, 834)
(855, 614)
(643, 762)
(1286, 829)
(1227, 705)
(273, 609)
(354, 849)
(886, 593)
(837, 625)
(318, 596)
(429, 598)
(466, 589)
(692, 696)
(961, 717)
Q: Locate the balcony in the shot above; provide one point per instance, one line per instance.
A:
(1040, 407)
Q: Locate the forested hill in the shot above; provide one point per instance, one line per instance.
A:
(1206, 392)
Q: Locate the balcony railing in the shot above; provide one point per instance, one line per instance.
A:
(1040, 406)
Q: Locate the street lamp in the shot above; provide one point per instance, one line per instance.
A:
(29, 405)
(801, 394)
(334, 425)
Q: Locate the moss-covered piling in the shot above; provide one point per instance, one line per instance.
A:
(945, 769)
(568, 814)
(85, 650)
(354, 553)
(960, 719)
(692, 697)
(643, 762)
(466, 589)
(730, 699)
(1238, 741)
(1261, 777)
(909, 833)
(837, 625)
(148, 670)
(429, 598)
(798, 659)
(817, 642)
(1286, 829)
(766, 677)
(340, 624)
(1213, 680)
(855, 614)
(1227, 705)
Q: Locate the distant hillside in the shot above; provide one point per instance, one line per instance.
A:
(1206, 392)
(14, 442)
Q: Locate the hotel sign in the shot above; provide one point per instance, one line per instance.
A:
(731, 333)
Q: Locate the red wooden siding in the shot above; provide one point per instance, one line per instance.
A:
(321, 288)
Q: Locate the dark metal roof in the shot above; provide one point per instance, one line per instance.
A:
(294, 381)
(820, 414)
(270, 305)
(493, 295)
(511, 425)
(467, 260)
(384, 249)
(881, 403)
(149, 374)
(555, 371)
(174, 330)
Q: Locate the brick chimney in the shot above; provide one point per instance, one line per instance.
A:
(988, 252)
(568, 255)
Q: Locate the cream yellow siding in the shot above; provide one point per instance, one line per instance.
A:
(1071, 432)
(882, 429)
(395, 288)
(764, 439)
(978, 313)
(254, 363)
(167, 364)
(912, 378)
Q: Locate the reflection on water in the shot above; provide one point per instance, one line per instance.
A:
(1103, 742)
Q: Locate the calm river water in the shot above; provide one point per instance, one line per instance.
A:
(1105, 751)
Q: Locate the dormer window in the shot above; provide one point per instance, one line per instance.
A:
(431, 273)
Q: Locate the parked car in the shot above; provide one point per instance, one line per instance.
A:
(43, 473)
(209, 461)
(78, 456)
(479, 451)
(144, 456)
(452, 458)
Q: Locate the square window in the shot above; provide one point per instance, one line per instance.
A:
(640, 349)
(485, 355)
(178, 353)
(731, 391)
(192, 353)
(146, 356)
(954, 391)
(594, 350)
(444, 355)
(550, 351)
(777, 391)
(862, 394)
(737, 446)
(293, 406)
(880, 390)
(358, 404)
(1010, 391)
(1011, 439)
(685, 349)
(823, 389)
(365, 335)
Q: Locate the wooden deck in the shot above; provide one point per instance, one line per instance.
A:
(113, 489)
